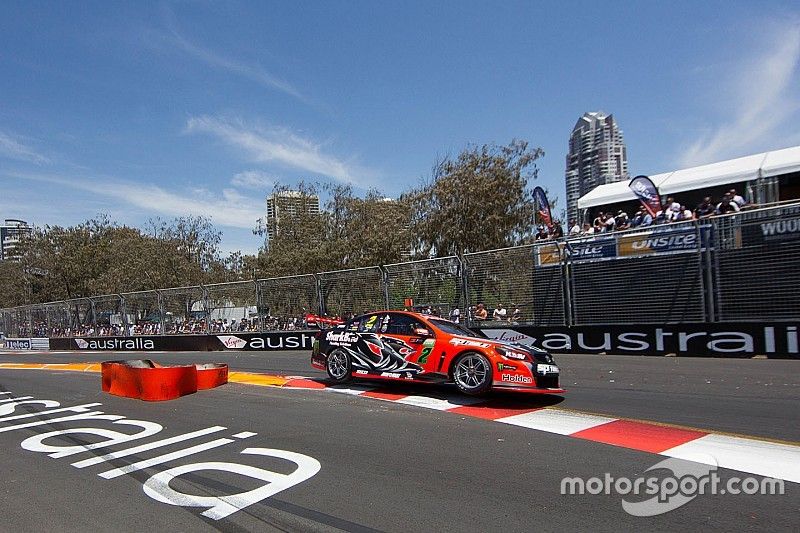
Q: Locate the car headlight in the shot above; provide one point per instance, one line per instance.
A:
(511, 354)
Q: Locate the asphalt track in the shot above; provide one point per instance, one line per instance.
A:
(394, 467)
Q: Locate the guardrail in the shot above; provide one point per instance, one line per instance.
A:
(738, 267)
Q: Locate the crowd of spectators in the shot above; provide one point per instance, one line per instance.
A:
(190, 326)
(673, 211)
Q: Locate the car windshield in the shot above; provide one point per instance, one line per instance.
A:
(455, 329)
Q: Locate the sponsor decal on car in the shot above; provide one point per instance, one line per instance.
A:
(514, 378)
(390, 374)
(361, 372)
(458, 341)
(343, 338)
(547, 369)
(506, 366)
(508, 335)
(427, 348)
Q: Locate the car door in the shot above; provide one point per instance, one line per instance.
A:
(404, 333)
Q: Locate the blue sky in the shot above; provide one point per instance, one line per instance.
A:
(147, 109)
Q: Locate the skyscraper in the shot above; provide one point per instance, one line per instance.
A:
(10, 234)
(597, 156)
(288, 204)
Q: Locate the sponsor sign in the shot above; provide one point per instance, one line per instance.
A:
(647, 193)
(158, 474)
(662, 240)
(269, 340)
(593, 248)
(738, 339)
(276, 340)
(773, 231)
(11, 343)
(548, 254)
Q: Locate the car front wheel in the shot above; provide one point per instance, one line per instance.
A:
(338, 366)
(472, 374)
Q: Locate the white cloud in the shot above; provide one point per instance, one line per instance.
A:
(764, 90)
(231, 209)
(251, 71)
(274, 145)
(12, 147)
(252, 179)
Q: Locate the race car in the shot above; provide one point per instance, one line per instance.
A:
(411, 347)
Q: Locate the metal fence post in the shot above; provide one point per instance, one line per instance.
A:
(94, 317)
(123, 309)
(465, 288)
(566, 296)
(320, 296)
(161, 312)
(385, 283)
(206, 308)
(259, 306)
(462, 288)
(702, 270)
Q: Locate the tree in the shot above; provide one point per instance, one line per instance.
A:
(477, 201)
(349, 232)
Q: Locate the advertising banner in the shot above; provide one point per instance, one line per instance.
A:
(12, 343)
(548, 254)
(647, 193)
(592, 248)
(273, 340)
(269, 340)
(769, 232)
(542, 205)
(741, 339)
(663, 240)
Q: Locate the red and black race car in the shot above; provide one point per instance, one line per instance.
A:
(398, 345)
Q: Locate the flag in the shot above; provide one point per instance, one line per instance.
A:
(647, 193)
(542, 206)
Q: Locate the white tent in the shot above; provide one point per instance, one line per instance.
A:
(747, 168)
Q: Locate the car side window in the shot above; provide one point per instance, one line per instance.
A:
(369, 324)
(403, 325)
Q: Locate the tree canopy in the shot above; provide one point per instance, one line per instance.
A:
(477, 200)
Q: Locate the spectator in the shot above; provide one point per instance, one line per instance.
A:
(704, 209)
(598, 221)
(480, 312)
(727, 206)
(541, 234)
(556, 232)
(609, 223)
(516, 314)
(587, 229)
(672, 210)
(499, 313)
(735, 198)
(685, 214)
(622, 222)
(455, 315)
(574, 228)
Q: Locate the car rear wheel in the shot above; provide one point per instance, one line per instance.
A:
(338, 366)
(472, 374)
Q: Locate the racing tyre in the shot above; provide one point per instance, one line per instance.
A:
(338, 366)
(472, 374)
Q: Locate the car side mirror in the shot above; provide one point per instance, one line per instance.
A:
(422, 332)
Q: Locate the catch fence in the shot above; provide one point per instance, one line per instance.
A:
(739, 267)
